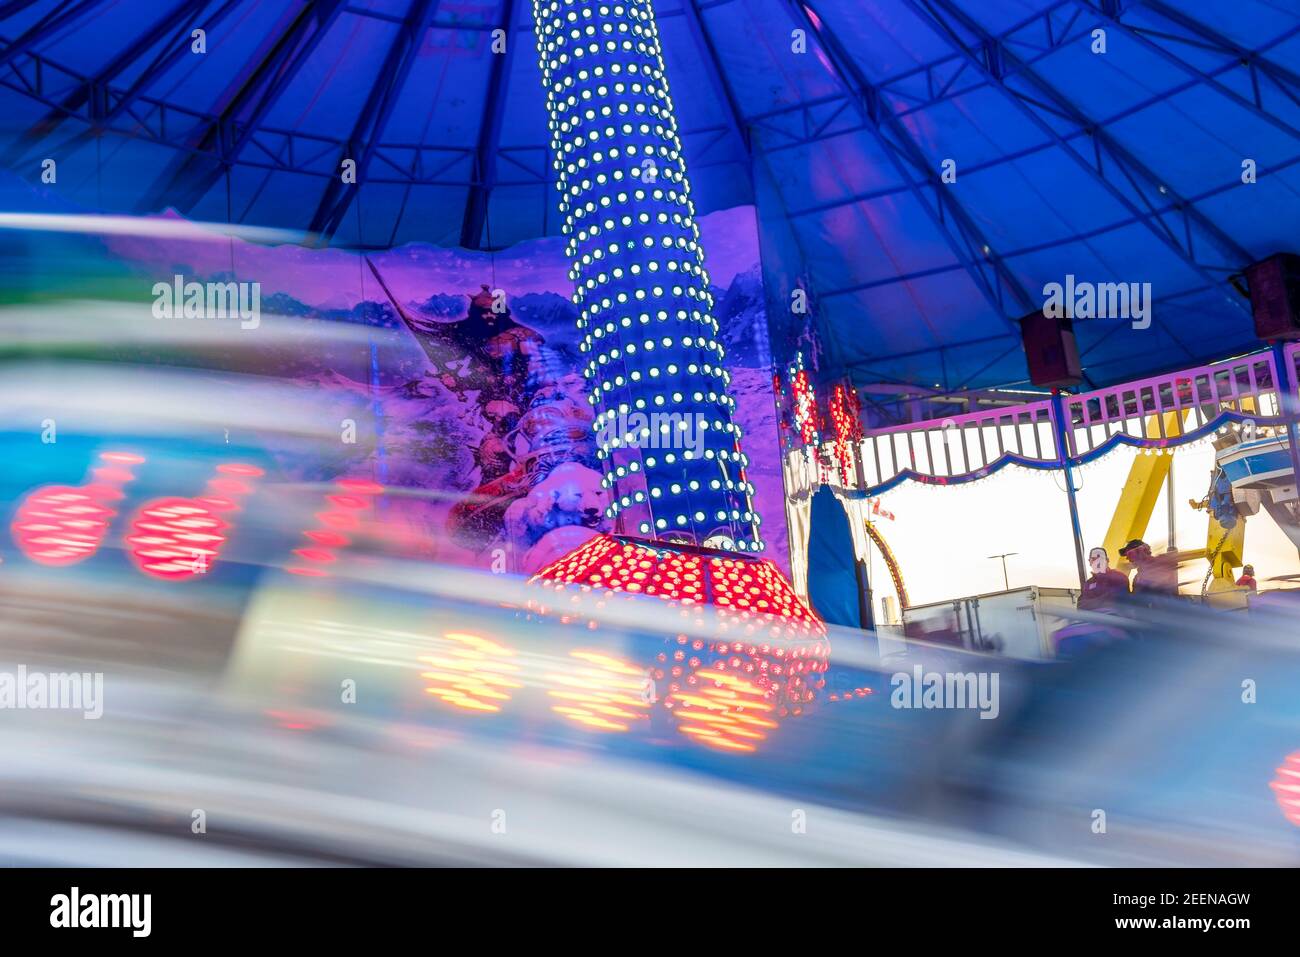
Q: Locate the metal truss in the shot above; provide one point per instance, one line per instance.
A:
(208, 145)
(373, 118)
(214, 142)
(964, 238)
(48, 26)
(262, 83)
(1175, 222)
(93, 94)
(737, 125)
(824, 118)
(234, 141)
(1188, 32)
(810, 121)
(489, 134)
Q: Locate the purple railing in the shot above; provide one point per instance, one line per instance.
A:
(1157, 412)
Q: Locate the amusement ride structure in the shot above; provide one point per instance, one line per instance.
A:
(655, 368)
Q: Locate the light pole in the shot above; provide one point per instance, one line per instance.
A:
(1006, 582)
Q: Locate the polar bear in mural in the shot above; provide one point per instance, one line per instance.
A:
(557, 515)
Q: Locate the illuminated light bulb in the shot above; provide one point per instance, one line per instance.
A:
(61, 525)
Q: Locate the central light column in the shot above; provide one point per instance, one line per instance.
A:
(669, 449)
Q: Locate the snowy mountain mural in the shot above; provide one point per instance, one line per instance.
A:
(461, 370)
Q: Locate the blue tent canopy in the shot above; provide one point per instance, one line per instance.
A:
(835, 117)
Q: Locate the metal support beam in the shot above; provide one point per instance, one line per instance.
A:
(1060, 106)
(94, 92)
(219, 143)
(739, 127)
(718, 80)
(1274, 71)
(118, 105)
(13, 6)
(958, 229)
(489, 132)
(1111, 14)
(279, 149)
(373, 118)
(1287, 392)
(1060, 426)
(47, 27)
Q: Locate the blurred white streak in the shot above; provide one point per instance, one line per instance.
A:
(106, 323)
(153, 227)
(357, 799)
(95, 399)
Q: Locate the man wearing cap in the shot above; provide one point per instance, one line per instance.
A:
(1156, 577)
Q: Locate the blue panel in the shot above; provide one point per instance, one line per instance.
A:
(832, 567)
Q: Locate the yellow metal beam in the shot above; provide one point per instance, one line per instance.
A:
(1137, 500)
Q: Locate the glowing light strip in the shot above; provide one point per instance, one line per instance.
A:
(151, 227)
